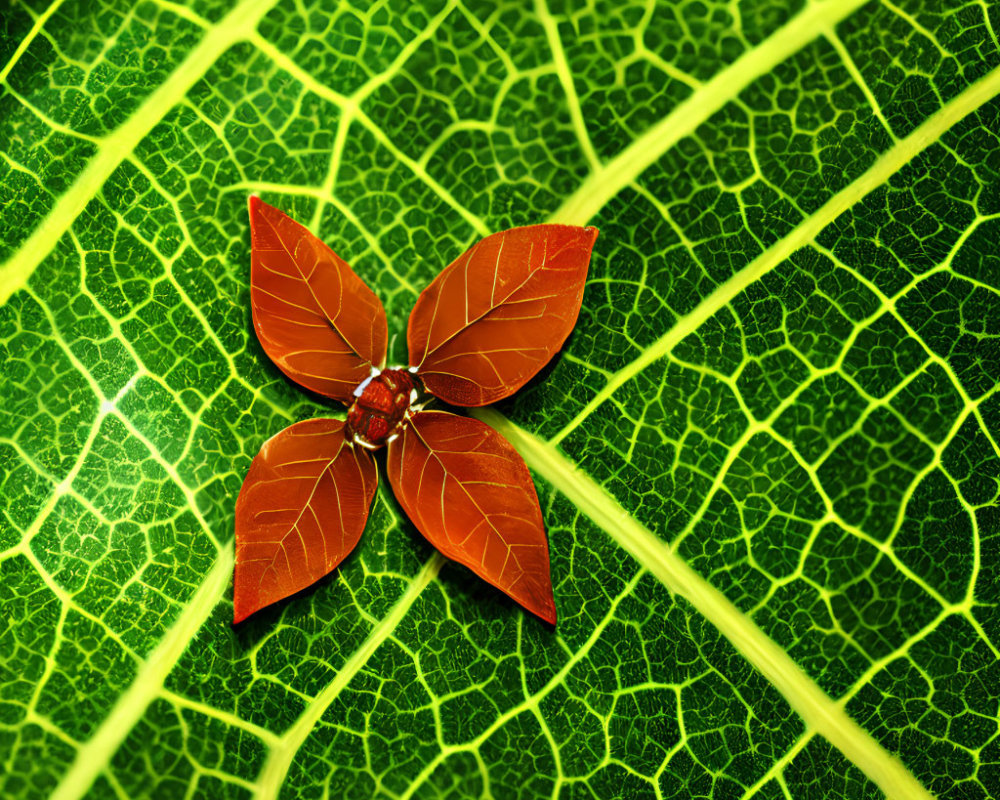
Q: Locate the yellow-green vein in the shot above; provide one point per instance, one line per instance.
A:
(607, 181)
(115, 147)
(887, 165)
(819, 712)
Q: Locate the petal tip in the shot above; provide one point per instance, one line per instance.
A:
(548, 611)
(239, 614)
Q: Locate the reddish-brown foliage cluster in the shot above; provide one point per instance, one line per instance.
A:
(478, 333)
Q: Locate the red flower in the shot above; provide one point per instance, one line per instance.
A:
(478, 333)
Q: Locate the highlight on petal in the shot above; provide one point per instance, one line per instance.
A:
(496, 315)
(315, 318)
(301, 510)
(469, 492)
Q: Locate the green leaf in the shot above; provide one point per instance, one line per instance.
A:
(768, 458)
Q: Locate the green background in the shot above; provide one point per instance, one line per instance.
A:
(784, 375)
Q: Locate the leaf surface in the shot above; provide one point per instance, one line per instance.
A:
(776, 415)
(499, 312)
(316, 319)
(301, 511)
(468, 491)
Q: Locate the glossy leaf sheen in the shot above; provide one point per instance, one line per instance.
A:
(499, 312)
(469, 492)
(315, 318)
(301, 510)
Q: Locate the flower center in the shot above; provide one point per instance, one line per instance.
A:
(381, 405)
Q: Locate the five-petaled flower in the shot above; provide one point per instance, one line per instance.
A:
(483, 328)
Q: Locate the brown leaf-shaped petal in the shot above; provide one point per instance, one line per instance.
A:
(471, 495)
(315, 318)
(499, 312)
(302, 508)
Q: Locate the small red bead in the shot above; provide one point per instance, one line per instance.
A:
(377, 429)
(380, 409)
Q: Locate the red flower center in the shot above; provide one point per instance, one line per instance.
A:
(381, 405)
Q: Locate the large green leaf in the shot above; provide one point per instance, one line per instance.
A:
(768, 457)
